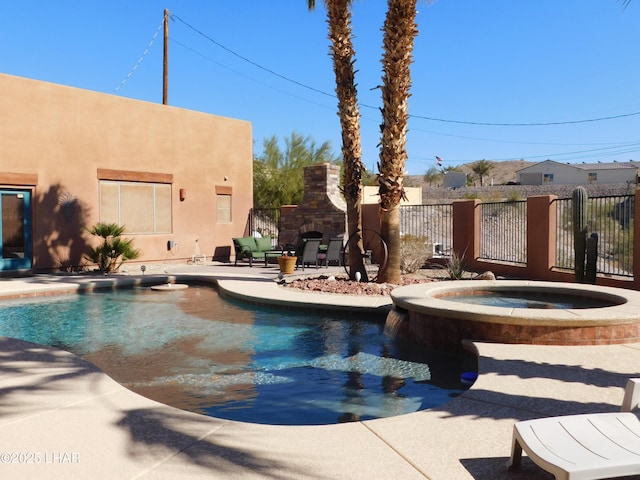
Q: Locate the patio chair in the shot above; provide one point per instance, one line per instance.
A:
(581, 447)
(334, 252)
(310, 252)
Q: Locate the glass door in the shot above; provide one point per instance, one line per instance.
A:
(15, 230)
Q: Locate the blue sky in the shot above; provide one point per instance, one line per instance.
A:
(475, 63)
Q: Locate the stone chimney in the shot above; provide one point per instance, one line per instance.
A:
(322, 210)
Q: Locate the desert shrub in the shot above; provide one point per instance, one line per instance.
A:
(491, 196)
(514, 196)
(455, 266)
(67, 266)
(114, 250)
(413, 250)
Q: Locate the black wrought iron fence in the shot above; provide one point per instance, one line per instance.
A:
(434, 223)
(503, 231)
(564, 234)
(265, 222)
(611, 218)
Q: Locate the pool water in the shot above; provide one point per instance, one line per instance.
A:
(527, 300)
(194, 350)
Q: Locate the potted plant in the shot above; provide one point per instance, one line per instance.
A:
(287, 262)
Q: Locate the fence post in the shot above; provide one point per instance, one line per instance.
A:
(466, 229)
(541, 235)
(636, 240)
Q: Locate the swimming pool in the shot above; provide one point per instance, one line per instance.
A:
(194, 350)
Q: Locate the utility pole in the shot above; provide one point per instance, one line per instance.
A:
(165, 60)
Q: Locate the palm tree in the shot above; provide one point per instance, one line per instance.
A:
(481, 168)
(432, 175)
(448, 168)
(113, 251)
(343, 53)
(400, 30)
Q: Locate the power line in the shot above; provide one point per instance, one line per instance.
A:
(142, 57)
(515, 142)
(593, 153)
(419, 117)
(284, 92)
(523, 124)
(251, 62)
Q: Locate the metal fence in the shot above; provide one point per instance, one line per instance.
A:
(503, 231)
(433, 222)
(611, 219)
(266, 222)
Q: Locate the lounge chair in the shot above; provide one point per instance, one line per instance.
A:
(582, 447)
(310, 252)
(333, 253)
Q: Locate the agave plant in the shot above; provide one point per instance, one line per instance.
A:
(455, 266)
(113, 251)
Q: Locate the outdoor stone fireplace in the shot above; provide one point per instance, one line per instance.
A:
(322, 210)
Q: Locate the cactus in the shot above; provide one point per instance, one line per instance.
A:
(592, 257)
(579, 217)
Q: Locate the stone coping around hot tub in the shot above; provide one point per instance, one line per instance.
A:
(422, 298)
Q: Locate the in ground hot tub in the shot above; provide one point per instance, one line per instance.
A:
(442, 314)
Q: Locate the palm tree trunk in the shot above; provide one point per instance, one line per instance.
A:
(399, 32)
(340, 34)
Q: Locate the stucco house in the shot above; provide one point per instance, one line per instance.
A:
(556, 173)
(180, 181)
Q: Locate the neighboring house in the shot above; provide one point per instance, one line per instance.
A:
(555, 173)
(454, 180)
(180, 181)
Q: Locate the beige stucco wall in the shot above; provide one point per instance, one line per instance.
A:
(62, 136)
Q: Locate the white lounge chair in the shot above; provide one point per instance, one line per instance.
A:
(583, 447)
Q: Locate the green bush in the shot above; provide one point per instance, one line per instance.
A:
(113, 251)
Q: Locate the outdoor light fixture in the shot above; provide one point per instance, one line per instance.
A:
(183, 194)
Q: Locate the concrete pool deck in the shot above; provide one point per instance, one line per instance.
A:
(74, 422)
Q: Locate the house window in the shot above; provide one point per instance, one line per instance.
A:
(223, 202)
(547, 178)
(592, 177)
(140, 207)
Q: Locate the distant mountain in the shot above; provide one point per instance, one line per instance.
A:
(502, 172)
